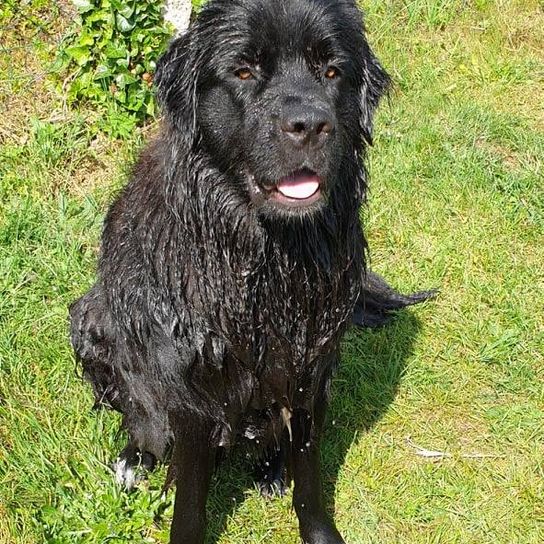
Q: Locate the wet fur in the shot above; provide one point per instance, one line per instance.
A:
(215, 322)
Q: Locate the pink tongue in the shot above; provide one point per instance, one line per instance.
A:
(299, 187)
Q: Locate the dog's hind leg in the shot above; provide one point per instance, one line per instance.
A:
(149, 434)
(94, 339)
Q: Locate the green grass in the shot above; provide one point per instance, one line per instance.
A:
(457, 202)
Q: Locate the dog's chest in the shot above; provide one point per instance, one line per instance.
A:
(284, 289)
(293, 315)
(274, 317)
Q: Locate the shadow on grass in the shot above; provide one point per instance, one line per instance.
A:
(372, 367)
(227, 493)
(373, 363)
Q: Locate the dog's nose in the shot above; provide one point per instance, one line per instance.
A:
(307, 125)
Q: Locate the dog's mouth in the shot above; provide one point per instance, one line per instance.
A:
(300, 189)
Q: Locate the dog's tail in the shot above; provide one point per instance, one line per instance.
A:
(378, 301)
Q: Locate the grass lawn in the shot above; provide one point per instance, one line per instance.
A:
(457, 202)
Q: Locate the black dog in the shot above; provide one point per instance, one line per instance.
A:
(233, 261)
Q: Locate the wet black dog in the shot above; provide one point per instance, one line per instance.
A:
(233, 261)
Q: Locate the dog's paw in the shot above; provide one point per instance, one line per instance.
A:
(271, 475)
(125, 474)
(131, 467)
(320, 533)
(270, 488)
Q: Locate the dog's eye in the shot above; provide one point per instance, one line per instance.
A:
(332, 72)
(244, 74)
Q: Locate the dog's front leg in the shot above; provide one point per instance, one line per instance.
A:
(315, 525)
(193, 462)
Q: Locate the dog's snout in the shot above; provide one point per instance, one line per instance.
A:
(307, 125)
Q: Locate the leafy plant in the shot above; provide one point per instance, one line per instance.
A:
(111, 57)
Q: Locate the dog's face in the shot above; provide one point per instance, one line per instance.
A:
(279, 93)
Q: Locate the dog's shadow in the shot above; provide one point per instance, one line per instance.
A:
(369, 377)
(373, 363)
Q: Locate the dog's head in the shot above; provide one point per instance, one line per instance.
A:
(279, 93)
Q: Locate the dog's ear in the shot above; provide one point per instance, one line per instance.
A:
(375, 84)
(176, 83)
